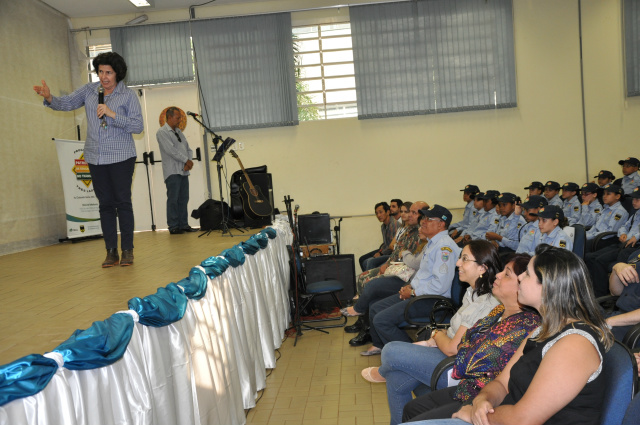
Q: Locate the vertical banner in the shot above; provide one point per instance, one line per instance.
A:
(81, 204)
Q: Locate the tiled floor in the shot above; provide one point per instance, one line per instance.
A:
(318, 382)
(49, 292)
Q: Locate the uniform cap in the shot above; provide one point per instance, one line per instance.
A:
(631, 160)
(535, 185)
(605, 174)
(551, 211)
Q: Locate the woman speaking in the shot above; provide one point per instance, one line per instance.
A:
(113, 115)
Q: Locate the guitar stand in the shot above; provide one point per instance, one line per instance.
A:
(226, 220)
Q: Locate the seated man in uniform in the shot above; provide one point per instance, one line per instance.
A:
(631, 178)
(604, 178)
(488, 217)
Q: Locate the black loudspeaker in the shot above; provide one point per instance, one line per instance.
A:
(263, 181)
(338, 267)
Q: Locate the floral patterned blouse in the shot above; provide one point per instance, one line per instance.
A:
(487, 347)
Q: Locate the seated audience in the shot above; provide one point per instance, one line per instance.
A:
(555, 376)
(571, 202)
(488, 216)
(535, 189)
(508, 227)
(601, 261)
(389, 228)
(434, 276)
(612, 216)
(631, 178)
(468, 195)
(551, 190)
(483, 352)
(384, 286)
(409, 240)
(623, 282)
(591, 206)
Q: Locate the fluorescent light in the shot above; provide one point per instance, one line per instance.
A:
(137, 20)
(141, 3)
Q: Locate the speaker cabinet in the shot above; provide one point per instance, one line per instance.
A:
(338, 267)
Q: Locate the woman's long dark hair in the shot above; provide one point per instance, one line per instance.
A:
(486, 255)
(567, 293)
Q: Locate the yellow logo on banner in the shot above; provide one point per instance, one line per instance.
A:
(81, 170)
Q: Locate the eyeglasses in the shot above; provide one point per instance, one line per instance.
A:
(427, 220)
(178, 136)
(466, 259)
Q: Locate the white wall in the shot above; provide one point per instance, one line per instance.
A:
(345, 166)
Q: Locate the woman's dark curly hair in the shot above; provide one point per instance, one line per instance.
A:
(486, 255)
(115, 61)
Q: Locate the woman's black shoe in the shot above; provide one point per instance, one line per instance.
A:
(362, 338)
(356, 327)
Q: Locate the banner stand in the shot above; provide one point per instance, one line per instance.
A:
(81, 204)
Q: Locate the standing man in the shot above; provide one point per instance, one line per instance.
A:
(176, 163)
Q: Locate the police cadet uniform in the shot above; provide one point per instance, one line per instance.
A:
(612, 217)
(601, 261)
(557, 237)
(508, 227)
(631, 181)
(604, 174)
(475, 219)
(528, 232)
(556, 200)
(571, 207)
(470, 212)
(589, 213)
(488, 218)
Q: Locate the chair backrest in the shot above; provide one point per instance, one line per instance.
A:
(457, 290)
(620, 372)
(579, 240)
(570, 231)
(633, 412)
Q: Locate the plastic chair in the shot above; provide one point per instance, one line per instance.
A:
(620, 372)
(579, 240)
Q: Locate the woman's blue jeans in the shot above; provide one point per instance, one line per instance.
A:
(405, 366)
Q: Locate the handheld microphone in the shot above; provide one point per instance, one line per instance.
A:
(193, 114)
(103, 121)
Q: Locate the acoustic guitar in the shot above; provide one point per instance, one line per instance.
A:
(254, 203)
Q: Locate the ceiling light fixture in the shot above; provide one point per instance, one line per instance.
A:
(137, 20)
(142, 3)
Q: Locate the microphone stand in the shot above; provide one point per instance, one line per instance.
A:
(225, 217)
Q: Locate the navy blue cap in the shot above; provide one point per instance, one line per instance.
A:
(535, 185)
(613, 188)
(507, 197)
(589, 188)
(438, 211)
(631, 160)
(535, 201)
(551, 211)
(490, 194)
(571, 186)
(470, 188)
(605, 174)
(552, 185)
